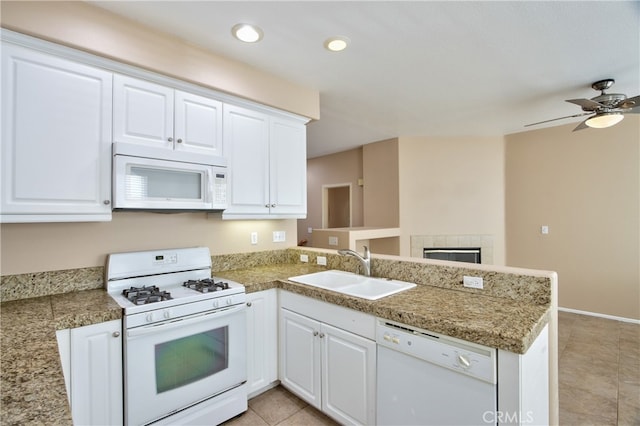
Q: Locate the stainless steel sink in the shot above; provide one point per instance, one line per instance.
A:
(353, 284)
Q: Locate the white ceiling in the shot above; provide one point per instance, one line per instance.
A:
(421, 68)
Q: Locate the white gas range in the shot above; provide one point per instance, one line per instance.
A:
(185, 337)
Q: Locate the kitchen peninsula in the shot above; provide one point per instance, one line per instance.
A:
(508, 314)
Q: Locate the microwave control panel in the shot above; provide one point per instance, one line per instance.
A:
(220, 188)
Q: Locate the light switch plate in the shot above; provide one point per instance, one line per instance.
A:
(279, 236)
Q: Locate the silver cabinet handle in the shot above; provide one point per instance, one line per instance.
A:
(266, 205)
(170, 139)
(106, 202)
(321, 335)
(273, 205)
(116, 334)
(248, 303)
(179, 141)
(315, 333)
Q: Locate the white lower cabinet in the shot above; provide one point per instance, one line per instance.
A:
(328, 366)
(262, 341)
(92, 364)
(523, 385)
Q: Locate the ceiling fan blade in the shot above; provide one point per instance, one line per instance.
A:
(630, 103)
(560, 118)
(586, 103)
(581, 126)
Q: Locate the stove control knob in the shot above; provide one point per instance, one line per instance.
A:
(149, 317)
(228, 301)
(166, 314)
(215, 304)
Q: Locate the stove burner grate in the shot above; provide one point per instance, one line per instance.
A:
(206, 285)
(143, 295)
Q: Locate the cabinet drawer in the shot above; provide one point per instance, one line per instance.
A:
(347, 319)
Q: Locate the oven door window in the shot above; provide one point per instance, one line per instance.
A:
(188, 359)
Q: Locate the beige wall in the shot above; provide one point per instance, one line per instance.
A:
(341, 168)
(380, 170)
(86, 27)
(586, 187)
(42, 247)
(54, 246)
(452, 186)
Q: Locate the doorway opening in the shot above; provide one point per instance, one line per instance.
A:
(336, 206)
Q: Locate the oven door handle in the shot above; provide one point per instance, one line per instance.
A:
(185, 321)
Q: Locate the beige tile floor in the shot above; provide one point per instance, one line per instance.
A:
(599, 371)
(599, 375)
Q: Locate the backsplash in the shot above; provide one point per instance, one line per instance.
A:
(514, 286)
(24, 286)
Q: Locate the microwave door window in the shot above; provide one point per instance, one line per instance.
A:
(144, 183)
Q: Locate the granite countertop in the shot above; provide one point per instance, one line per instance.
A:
(33, 389)
(491, 321)
(32, 385)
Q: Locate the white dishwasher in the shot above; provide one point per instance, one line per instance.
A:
(426, 378)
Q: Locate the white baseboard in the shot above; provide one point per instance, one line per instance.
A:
(596, 314)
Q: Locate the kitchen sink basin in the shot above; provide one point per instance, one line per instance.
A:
(353, 284)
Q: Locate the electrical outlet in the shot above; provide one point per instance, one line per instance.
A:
(333, 241)
(254, 238)
(304, 258)
(544, 229)
(322, 260)
(472, 282)
(309, 230)
(279, 236)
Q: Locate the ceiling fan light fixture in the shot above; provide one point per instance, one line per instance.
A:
(247, 33)
(336, 44)
(604, 120)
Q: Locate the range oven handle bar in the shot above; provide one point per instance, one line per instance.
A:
(185, 321)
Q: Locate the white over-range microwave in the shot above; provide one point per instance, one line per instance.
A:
(156, 180)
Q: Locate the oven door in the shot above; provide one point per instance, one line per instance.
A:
(172, 365)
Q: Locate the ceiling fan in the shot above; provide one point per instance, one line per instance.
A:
(605, 110)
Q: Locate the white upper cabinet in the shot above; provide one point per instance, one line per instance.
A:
(267, 159)
(56, 138)
(152, 115)
(246, 133)
(288, 167)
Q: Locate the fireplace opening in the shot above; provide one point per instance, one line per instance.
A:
(456, 254)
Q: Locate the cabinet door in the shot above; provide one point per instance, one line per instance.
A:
(142, 112)
(56, 138)
(348, 376)
(262, 340)
(96, 374)
(288, 167)
(300, 356)
(198, 124)
(246, 135)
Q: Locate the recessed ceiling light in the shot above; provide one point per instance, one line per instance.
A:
(247, 33)
(336, 44)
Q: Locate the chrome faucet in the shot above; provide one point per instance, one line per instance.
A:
(365, 260)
